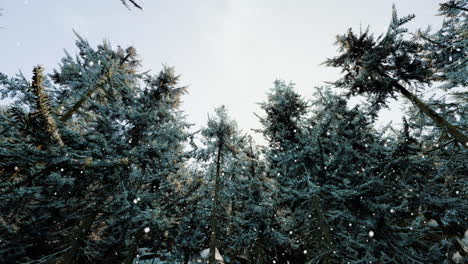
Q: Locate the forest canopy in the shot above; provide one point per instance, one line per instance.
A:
(98, 163)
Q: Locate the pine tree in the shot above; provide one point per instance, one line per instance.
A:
(98, 195)
(375, 187)
(191, 233)
(221, 140)
(447, 189)
(446, 47)
(283, 127)
(250, 207)
(379, 67)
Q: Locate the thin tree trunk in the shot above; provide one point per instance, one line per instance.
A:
(214, 209)
(259, 252)
(83, 99)
(76, 106)
(133, 248)
(69, 256)
(439, 120)
(324, 228)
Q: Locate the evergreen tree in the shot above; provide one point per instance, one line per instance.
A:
(221, 140)
(375, 188)
(96, 179)
(250, 207)
(191, 233)
(282, 127)
(377, 67)
(447, 192)
(446, 48)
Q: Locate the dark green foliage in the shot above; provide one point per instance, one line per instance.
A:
(97, 164)
(93, 198)
(446, 48)
(372, 65)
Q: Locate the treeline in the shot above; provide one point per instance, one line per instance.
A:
(98, 164)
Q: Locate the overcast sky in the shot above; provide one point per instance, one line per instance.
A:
(228, 51)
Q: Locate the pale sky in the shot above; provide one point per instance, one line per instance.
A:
(228, 51)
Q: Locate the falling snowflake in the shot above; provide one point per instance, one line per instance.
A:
(371, 233)
(147, 229)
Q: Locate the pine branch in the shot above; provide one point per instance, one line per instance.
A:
(452, 5)
(106, 76)
(83, 99)
(124, 2)
(43, 105)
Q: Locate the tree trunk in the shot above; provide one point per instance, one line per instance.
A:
(133, 248)
(324, 228)
(259, 252)
(214, 209)
(439, 120)
(69, 256)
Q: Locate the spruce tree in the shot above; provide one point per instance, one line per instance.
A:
(446, 47)
(221, 140)
(95, 181)
(285, 111)
(375, 187)
(380, 67)
(250, 207)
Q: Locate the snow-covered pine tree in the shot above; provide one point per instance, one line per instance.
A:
(381, 67)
